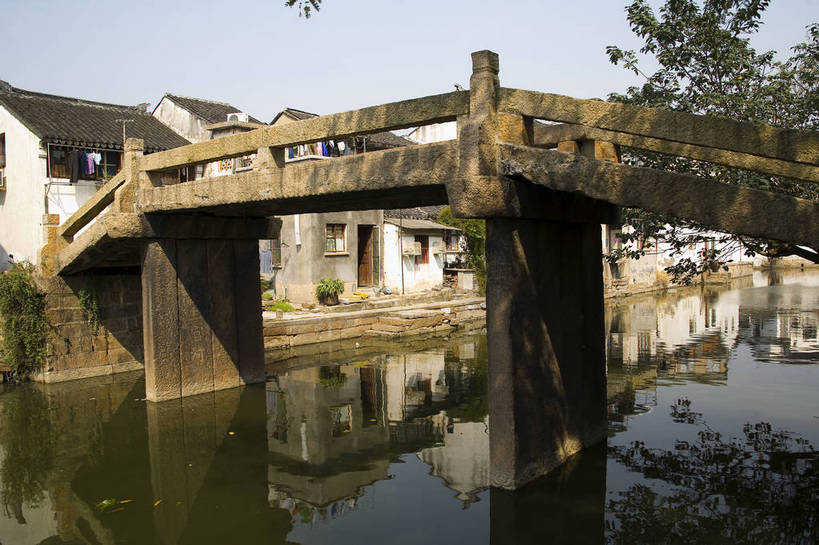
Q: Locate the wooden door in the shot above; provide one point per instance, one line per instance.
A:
(365, 255)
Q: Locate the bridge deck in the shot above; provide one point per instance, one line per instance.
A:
(424, 174)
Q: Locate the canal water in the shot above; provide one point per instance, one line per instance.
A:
(713, 403)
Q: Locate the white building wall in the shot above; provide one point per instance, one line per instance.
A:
(65, 198)
(392, 258)
(417, 277)
(437, 132)
(181, 121)
(22, 203)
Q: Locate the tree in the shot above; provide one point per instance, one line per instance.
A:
(707, 66)
(474, 231)
(304, 7)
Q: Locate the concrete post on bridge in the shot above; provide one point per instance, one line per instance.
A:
(201, 301)
(547, 380)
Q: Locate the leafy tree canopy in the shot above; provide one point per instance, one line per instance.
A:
(706, 65)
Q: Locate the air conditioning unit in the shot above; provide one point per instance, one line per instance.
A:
(238, 116)
(2, 180)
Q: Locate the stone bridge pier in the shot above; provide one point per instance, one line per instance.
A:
(547, 376)
(194, 296)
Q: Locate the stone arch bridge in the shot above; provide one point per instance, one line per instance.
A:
(195, 242)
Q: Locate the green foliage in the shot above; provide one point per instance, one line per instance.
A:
(90, 309)
(707, 66)
(474, 231)
(283, 305)
(264, 283)
(24, 324)
(267, 296)
(304, 7)
(329, 288)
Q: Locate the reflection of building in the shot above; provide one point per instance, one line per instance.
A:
(463, 441)
(789, 334)
(414, 381)
(691, 334)
(334, 429)
(317, 417)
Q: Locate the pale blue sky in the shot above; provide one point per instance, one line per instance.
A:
(260, 56)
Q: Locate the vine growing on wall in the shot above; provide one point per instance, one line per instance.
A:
(90, 309)
(23, 321)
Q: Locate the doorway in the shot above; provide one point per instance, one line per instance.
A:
(365, 255)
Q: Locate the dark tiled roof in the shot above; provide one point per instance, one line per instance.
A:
(387, 140)
(379, 140)
(293, 113)
(84, 123)
(209, 110)
(418, 213)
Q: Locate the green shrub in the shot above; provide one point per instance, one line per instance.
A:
(284, 306)
(267, 296)
(264, 284)
(329, 288)
(22, 320)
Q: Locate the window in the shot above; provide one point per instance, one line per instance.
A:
(109, 164)
(2, 150)
(336, 237)
(276, 251)
(453, 242)
(422, 259)
(270, 254)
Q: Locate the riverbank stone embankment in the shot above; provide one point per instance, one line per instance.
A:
(439, 317)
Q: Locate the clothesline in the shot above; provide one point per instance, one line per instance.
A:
(328, 148)
(79, 161)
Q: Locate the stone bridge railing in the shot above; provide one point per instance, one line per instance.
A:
(760, 148)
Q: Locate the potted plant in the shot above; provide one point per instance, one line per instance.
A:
(328, 290)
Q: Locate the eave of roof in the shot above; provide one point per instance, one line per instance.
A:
(85, 123)
(238, 124)
(419, 225)
(211, 111)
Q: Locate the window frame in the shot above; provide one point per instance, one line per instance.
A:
(452, 240)
(422, 259)
(332, 229)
